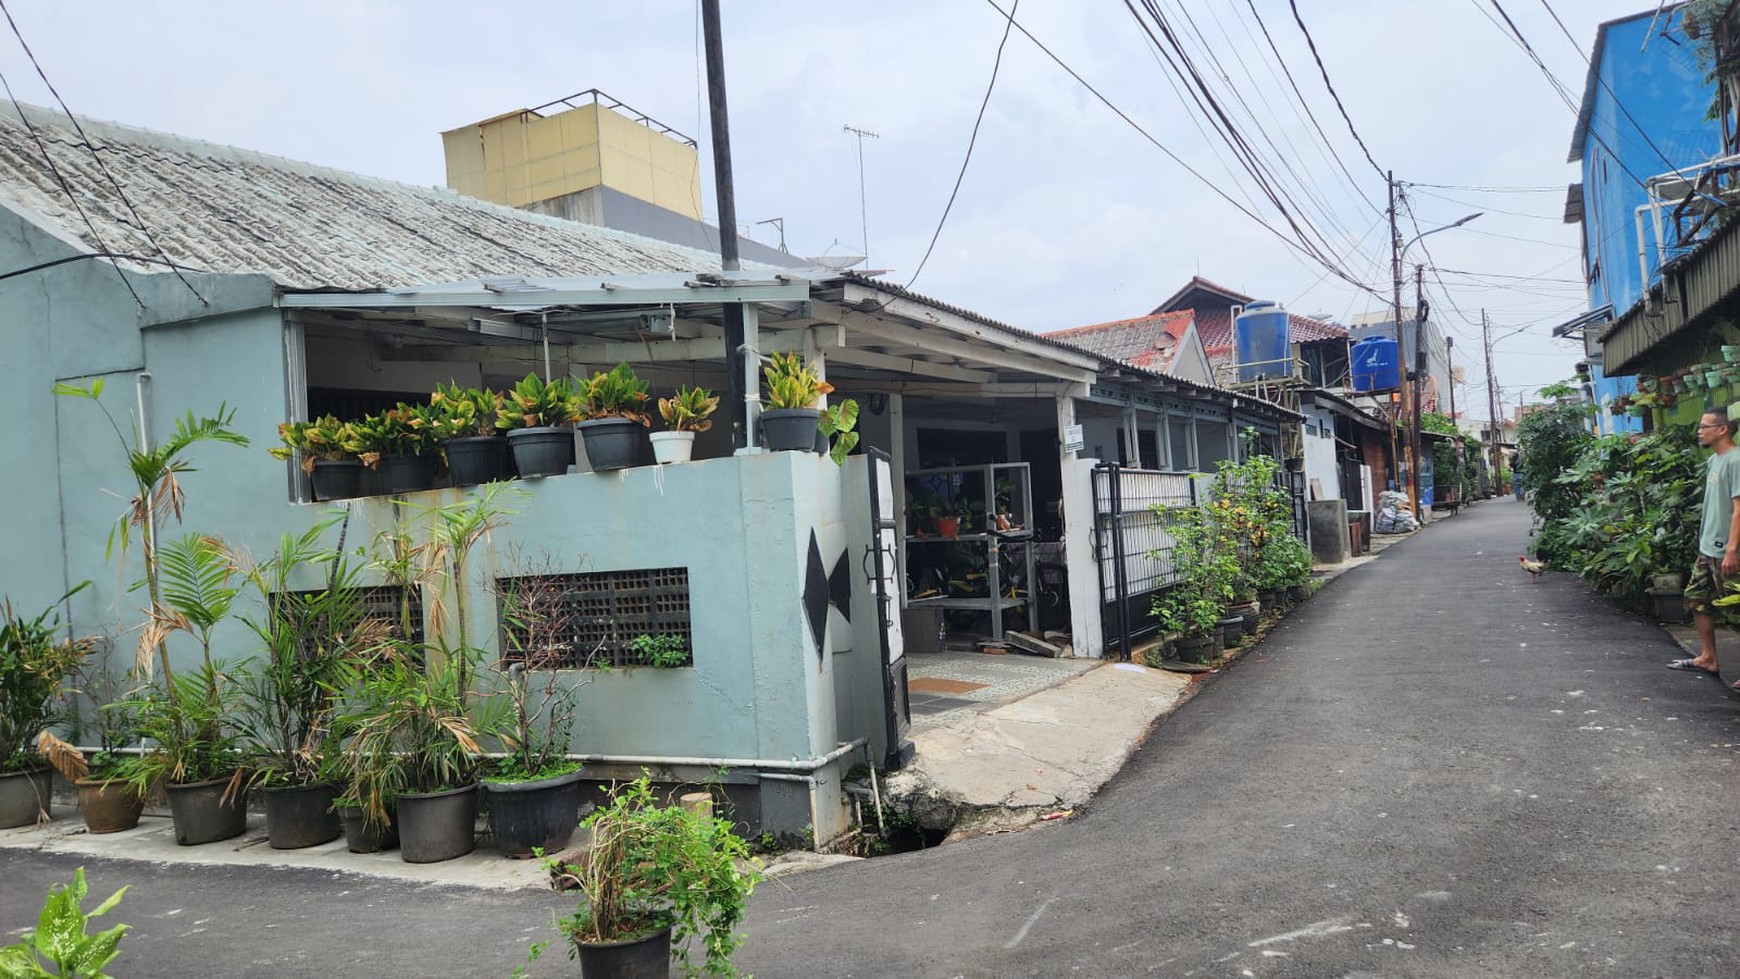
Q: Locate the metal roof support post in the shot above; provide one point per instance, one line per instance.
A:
(736, 408)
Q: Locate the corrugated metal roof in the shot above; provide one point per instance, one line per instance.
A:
(227, 210)
(1256, 404)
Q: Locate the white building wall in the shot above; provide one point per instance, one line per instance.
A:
(1321, 469)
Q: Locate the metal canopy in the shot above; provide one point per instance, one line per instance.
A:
(526, 294)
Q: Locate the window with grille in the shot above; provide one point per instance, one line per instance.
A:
(595, 618)
(381, 603)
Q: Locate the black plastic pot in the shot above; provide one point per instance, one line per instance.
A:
(790, 429)
(648, 957)
(539, 813)
(363, 835)
(547, 450)
(476, 459)
(1298, 593)
(405, 472)
(337, 480)
(299, 816)
(1196, 650)
(201, 815)
(436, 826)
(611, 443)
(1670, 606)
(24, 794)
(1248, 613)
(1232, 629)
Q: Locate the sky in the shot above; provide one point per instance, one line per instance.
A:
(1066, 214)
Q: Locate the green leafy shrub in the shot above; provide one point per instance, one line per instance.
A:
(60, 938)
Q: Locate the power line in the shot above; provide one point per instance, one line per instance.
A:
(971, 142)
(1310, 42)
(1555, 189)
(1203, 95)
(65, 187)
(1307, 106)
(1174, 157)
(88, 145)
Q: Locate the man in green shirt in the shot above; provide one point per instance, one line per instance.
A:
(1718, 538)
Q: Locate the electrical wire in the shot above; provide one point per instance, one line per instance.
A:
(91, 147)
(1168, 152)
(1312, 43)
(971, 142)
(66, 188)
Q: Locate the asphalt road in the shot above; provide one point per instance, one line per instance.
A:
(1434, 768)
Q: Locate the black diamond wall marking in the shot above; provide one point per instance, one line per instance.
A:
(840, 587)
(816, 597)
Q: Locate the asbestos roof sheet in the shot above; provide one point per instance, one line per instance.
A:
(220, 209)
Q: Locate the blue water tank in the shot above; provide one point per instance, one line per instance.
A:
(1375, 365)
(1260, 336)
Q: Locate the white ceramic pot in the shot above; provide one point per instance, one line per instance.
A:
(672, 446)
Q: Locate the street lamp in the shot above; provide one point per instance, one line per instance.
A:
(1412, 392)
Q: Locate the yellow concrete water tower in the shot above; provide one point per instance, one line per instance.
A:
(590, 156)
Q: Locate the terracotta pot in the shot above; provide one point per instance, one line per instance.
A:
(109, 806)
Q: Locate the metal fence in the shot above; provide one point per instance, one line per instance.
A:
(1132, 550)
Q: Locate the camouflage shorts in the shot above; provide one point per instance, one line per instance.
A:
(1707, 583)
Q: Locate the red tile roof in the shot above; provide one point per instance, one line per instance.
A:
(1146, 341)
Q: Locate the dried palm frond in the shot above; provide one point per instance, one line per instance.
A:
(68, 760)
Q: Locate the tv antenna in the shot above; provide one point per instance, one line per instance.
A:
(863, 218)
(780, 224)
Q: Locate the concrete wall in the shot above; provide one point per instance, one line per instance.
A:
(759, 688)
(1318, 433)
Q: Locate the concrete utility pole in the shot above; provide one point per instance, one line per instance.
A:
(1491, 395)
(737, 388)
(1450, 368)
(1402, 467)
(1414, 447)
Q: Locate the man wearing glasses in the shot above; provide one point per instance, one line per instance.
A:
(1718, 538)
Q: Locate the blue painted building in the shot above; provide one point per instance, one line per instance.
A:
(1642, 139)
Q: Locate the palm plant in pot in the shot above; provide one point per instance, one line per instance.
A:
(289, 694)
(653, 877)
(464, 424)
(533, 790)
(613, 412)
(687, 412)
(328, 449)
(537, 416)
(794, 393)
(108, 803)
(35, 662)
(188, 718)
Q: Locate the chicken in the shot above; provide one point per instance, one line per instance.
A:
(1534, 568)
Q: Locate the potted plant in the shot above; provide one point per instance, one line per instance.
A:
(838, 423)
(537, 417)
(189, 717)
(533, 791)
(404, 438)
(34, 663)
(794, 389)
(652, 877)
(289, 694)
(689, 411)
(464, 423)
(62, 937)
(108, 803)
(328, 449)
(612, 412)
(1205, 567)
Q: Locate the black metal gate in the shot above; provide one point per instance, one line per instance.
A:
(1131, 550)
(897, 711)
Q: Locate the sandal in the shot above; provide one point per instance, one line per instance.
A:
(1691, 666)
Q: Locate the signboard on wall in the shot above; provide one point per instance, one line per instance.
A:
(1073, 440)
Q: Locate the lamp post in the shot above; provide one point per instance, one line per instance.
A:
(1397, 255)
